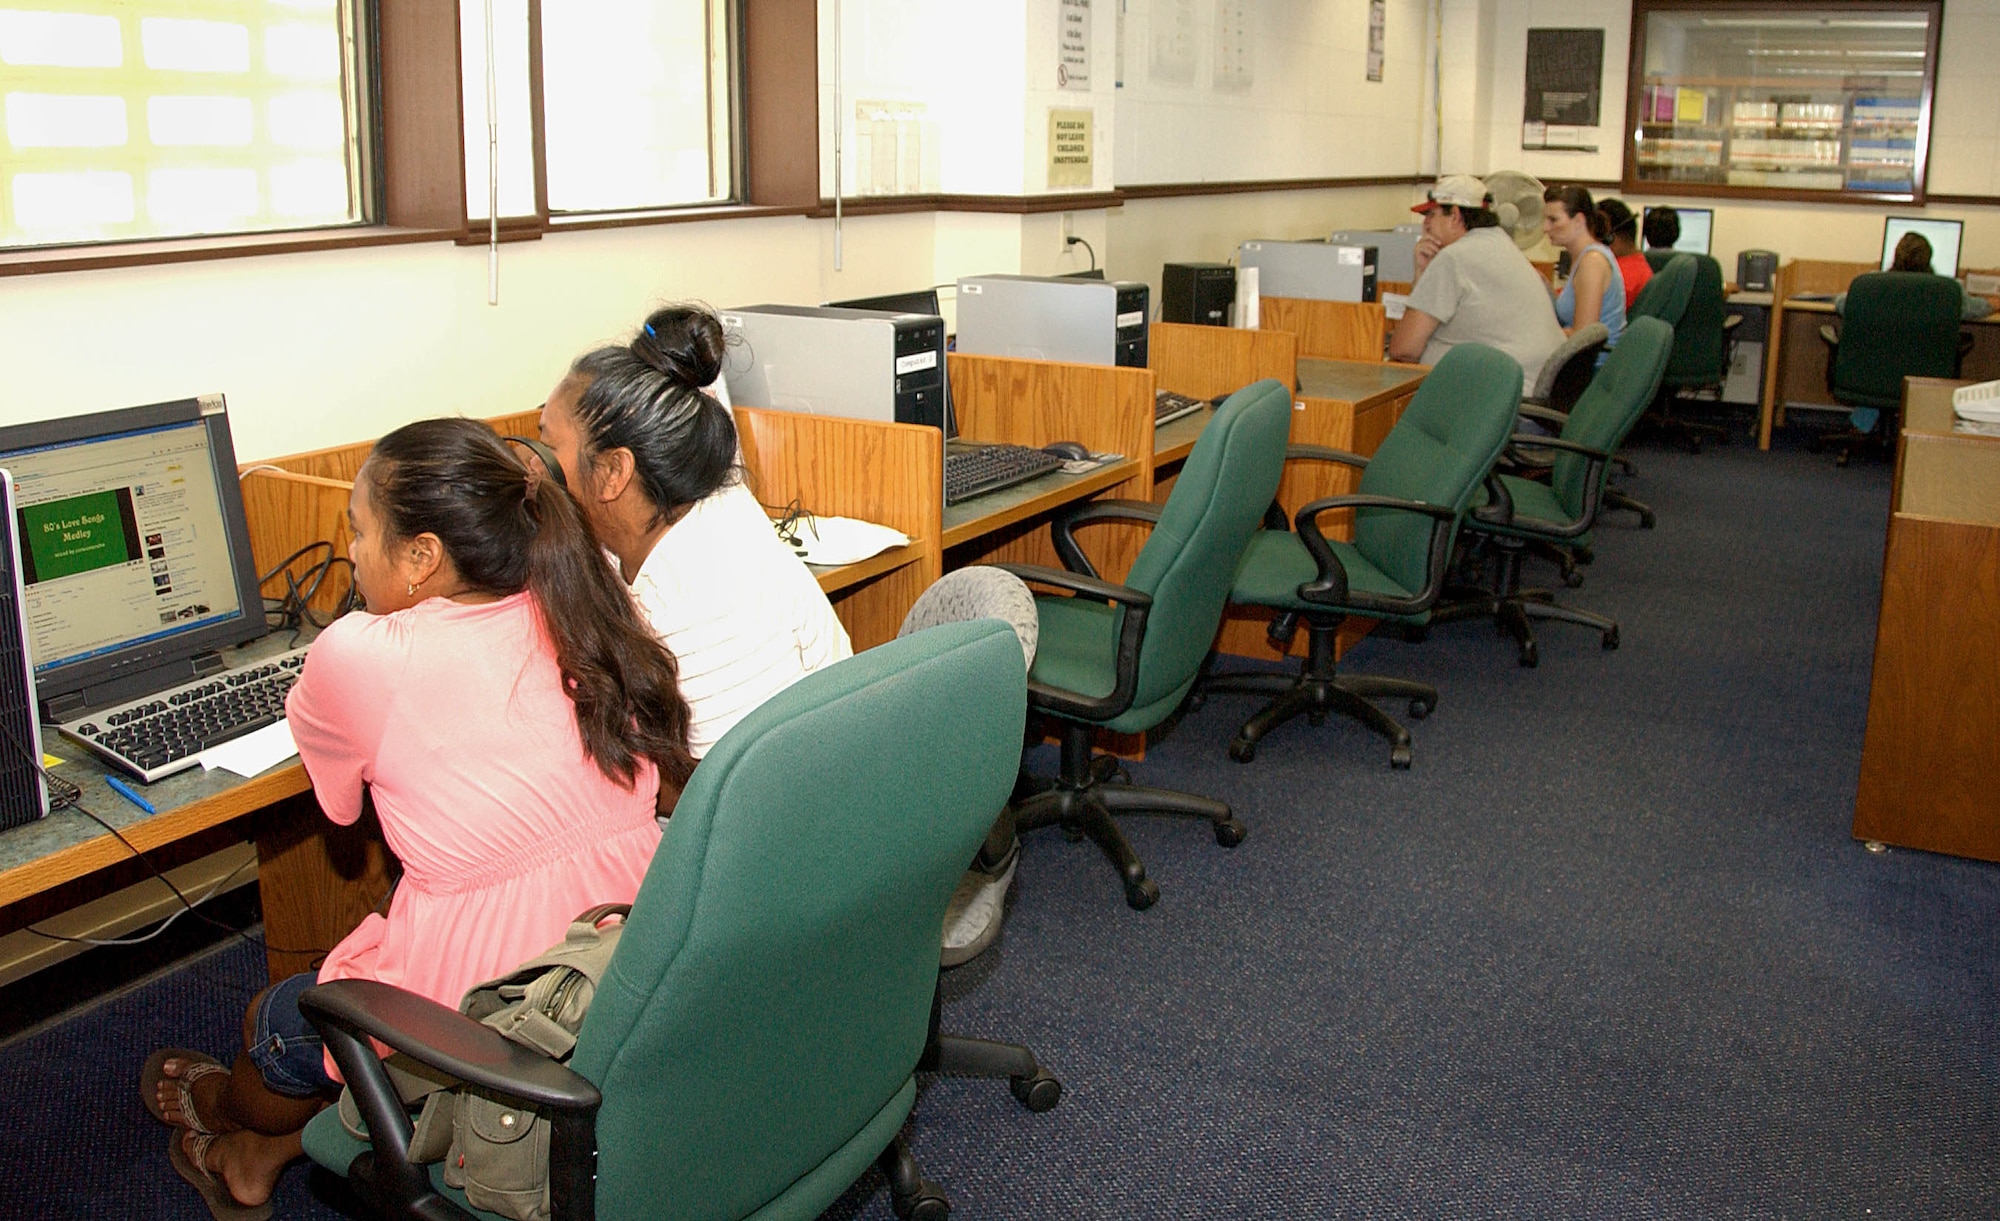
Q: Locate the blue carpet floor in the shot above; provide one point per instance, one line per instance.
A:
(1607, 951)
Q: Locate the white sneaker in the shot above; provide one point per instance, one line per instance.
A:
(972, 919)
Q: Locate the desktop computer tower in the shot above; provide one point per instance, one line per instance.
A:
(1201, 293)
(1315, 271)
(24, 796)
(1395, 249)
(824, 360)
(1088, 322)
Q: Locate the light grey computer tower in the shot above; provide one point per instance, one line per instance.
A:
(830, 361)
(1088, 322)
(1395, 249)
(1315, 271)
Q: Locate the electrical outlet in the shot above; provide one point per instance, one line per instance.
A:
(1068, 229)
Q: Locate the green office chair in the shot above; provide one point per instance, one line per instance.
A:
(1700, 361)
(751, 1050)
(1896, 324)
(1511, 513)
(1667, 296)
(1122, 657)
(1412, 495)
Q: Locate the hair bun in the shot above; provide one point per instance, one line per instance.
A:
(683, 342)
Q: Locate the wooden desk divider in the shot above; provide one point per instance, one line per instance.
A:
(1797, 276)
(1034, 402)
(1207, 361)
(1329, 330)
(889, 474)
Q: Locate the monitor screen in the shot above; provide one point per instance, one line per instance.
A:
(134, 551)
(1943, 235)
(1697, 228)
(924, 301)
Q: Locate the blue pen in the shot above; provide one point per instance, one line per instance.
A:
(130, 794)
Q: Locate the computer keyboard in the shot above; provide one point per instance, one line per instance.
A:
(974, 472)
(165, 732)
(1168, 406)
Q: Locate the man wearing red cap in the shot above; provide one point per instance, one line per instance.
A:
(1473, 285)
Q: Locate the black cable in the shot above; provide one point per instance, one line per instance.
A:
(294, 610)
(188, 905)
(1074, 240)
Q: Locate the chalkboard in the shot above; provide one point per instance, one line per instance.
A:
(1565, 77)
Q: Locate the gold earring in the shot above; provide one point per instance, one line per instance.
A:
(410, 591)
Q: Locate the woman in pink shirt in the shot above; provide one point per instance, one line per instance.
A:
(512, 719)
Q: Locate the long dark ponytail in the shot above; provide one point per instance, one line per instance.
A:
(506, 531)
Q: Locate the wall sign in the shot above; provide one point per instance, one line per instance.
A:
(1073, 45)
(1565, 83)
(1069, 148)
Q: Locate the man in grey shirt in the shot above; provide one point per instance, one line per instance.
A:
(1473, 285)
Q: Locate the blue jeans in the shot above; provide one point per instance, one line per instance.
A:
(288, 1051)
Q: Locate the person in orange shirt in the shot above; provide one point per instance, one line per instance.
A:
(1624, 243)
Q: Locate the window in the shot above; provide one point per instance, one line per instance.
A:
(134, 119)
(635, 106)
(1829, 99)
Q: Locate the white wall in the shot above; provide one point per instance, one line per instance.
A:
(1309, 110)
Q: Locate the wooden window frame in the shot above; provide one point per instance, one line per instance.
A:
(1632, 184)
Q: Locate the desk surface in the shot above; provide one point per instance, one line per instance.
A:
(68, 845)
(1355, 381)
(969, 519)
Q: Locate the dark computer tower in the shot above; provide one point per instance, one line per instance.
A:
(24, 797)
(1088, 322)
(1201, 293)
(1755, 270)
(831, 361)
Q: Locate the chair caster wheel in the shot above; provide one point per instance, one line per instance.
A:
(1229, 832)
(1415, 633)
(1646, 521)
(1315, 718)
(1072, 833)
(1610, 640)
(927, 1203)
(1195, 701)
(1399, 758)
(1573, 579)
(1142, 894)
(1419, 709)
(1038, 1093)
(1530, 656)
(1242, 751)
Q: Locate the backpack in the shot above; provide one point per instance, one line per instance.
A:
(496, 1153)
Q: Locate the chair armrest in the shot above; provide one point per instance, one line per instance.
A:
(349, 1012)
(1829, 336)
(1331, 587)
(1732, 322)
(1324, 453)
(1131, 638)
(1534, 441)
(1539, 411)
(1060, 529)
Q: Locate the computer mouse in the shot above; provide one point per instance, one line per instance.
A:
(1068, 451)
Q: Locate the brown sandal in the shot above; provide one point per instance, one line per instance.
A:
(155, 1073)
(192, 1166)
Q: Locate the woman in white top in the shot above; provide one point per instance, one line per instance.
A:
(653, 460)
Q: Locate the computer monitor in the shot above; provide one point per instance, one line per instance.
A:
(924, 301)
(1697, 228)
(135, 556)
(1943, 235)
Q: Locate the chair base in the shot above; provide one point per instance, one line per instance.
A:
(1514, 609)
(912, 1196)
(957, 1056)
(1615, 499)
(1318, 690)
(1089, 790)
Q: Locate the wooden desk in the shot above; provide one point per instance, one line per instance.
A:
(317, 880)
(1930, 763)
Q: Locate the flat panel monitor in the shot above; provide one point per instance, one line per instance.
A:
(135, 556)
(1697, 228)
(923, 301)
(1943, 235)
